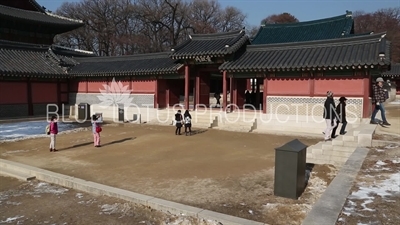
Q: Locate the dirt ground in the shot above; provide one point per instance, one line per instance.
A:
(375, 195)
(36, 202)
(227, 172)
(374, 198)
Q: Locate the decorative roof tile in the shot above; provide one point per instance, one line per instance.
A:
(213, 45)
(393, 72)
(370, 50)
(21, 59)
(140, 64)
(39, 17)
(328, 28)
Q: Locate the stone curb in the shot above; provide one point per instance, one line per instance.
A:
(100, 189)
(327, 209)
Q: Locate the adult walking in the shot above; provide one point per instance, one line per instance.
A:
(329, 115)
(53, 133)
(188, 122)
(96, 129)
(178, 122)
(378, 98)
(341, 111)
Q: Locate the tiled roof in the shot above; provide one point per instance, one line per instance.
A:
(394, 71)
(335, 53)
(65, 51)
(213, 45)
(38, 17)
(328, 28)
(140, 64)
(19, 59)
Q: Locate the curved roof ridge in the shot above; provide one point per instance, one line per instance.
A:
(125, 57)
(23, 45)
(218, 35)
(64, 18)
(330, 42)
(73, 49)
(310, 22)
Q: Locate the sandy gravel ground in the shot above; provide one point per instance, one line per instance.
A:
(227, 172)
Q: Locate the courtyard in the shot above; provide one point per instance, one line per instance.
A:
(226, 172)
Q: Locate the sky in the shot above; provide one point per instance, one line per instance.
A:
(256, 10)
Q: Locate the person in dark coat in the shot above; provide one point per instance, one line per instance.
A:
(378, 98)
(188, 122)
(217, 96)
(178, 122)
(341, 112)
(329, 115)
(248, 97)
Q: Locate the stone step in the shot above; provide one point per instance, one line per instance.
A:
(343, 154)
(17, 174)
(351, 144)
(344, 149)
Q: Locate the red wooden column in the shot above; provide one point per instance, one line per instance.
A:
(367, 90)
(234, 101)
(29, 97)
(197, 88)
(224, 90)
(311, 82)
(59, 96)
(231, 90)
(257, 105)
(265, 95)
(186, 87)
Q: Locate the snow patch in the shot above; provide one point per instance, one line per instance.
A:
(10, 132)
(11, 219)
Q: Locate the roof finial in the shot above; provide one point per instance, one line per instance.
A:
(349, 13)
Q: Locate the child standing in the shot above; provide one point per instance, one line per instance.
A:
(178, 122)
(188, 122)
(53, 133)
(96, 129)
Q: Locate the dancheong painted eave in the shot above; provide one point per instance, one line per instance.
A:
(322, 29)
(129, 65)
(393, 72)
(343, 53)
(211, 45)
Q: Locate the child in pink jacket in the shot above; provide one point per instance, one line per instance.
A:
(53, 133)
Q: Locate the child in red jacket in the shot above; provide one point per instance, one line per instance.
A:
(53, 133)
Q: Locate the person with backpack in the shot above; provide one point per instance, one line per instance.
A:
(178, 122)
(53, 131)
(188, 122)
(96, 129)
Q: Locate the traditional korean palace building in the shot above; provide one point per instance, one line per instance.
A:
(293, 63)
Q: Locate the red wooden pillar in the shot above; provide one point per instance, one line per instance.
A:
(366, 102)
(234, 92)
(224, 90)
(230, 90)
(156, 94)
(29, 97)
(197, 88)
(265, 95)
(59, 96)
(186, 87)
(87, 85)
(257, 93)
(311, 82)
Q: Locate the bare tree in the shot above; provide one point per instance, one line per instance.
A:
(280, 18)
(383, 20)
(118, 27)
